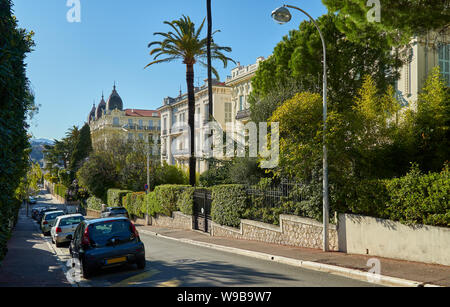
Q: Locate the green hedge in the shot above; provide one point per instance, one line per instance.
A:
(229, 203)
(60, 190)
(94, 203)
(185, 202)
(167, 197)
(115, 196)
(135, 203)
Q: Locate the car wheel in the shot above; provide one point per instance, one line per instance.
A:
(85, 270)
(141, 263)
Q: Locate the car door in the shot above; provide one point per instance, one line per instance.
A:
(76, 241)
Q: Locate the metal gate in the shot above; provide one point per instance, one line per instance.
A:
(201, 219)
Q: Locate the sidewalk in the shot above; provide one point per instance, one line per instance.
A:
(406, 270)
(29, 261)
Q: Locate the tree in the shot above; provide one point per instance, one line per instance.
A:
(186, 44)
(398, 20)
(82, 148)
(16, 104)
(298, 59)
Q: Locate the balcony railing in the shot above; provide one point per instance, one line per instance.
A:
(243, 114)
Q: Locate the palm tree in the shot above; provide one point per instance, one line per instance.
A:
(186, 44)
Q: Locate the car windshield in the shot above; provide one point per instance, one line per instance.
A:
(73, 220)
(52, 216)
(111, 232)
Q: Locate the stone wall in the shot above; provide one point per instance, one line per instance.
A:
(93, 213)
(178, 220)
(293, 231)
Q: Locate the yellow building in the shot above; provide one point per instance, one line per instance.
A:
(421, 56)
(109, 120)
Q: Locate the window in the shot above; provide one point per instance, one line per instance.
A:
(141, 123)
(241, 103)
(130, 136)
(444, 62)
(150, 123)
(130, 123)
(116, 122)
(228, 112)
(141, 136)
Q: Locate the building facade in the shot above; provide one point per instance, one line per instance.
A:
(421, 56)
(109, 120)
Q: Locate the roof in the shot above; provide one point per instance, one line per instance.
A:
(142, 113)
(89, 222)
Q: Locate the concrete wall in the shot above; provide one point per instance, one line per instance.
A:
(293, 231)
(385, 238)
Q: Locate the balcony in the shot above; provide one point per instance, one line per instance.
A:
(243, 114)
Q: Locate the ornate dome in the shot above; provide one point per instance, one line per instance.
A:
(114, 101)
(101, 108)
(92, 114)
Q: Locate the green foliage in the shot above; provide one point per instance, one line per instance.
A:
(154, 206)
(94, 203)
(135, 203)
(185, 201)
(115, 196)
(61, 190)
(420, 199)
(229, 203)
(168, 196)
(399, 20)
(16, 105)
(82, 148)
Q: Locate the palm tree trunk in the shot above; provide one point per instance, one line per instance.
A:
(191, 121)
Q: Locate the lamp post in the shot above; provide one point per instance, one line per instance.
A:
(283, 15)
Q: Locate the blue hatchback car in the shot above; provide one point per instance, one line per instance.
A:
(106, 242)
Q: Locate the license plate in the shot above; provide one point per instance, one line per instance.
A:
(116, 260)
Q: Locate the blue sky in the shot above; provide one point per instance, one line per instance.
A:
(74, 62)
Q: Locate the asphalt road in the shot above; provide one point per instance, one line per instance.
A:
(171, 264)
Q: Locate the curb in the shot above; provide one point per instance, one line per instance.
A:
(316, 266)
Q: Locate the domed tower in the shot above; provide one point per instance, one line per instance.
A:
(92, 114)
(101, 108)
(114, 101)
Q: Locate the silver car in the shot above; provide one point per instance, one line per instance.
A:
(48, 220)
(64, 227)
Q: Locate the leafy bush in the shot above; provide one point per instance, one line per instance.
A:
(167, 196)
(185, 202)
(114, 197)
(229, 203)
(135, 203)
(420, 199)
(94, 203)
(61, 190)
(154, 206)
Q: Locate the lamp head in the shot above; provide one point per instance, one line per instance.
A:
(281, 15)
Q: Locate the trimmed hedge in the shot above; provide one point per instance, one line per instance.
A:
(94, 203)
(115, 196)
(167, 197)
(185, 202)
(135, 203)
(229, 203)
(61, 190)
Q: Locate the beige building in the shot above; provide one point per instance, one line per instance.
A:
(109, 120)
(421, 56)
(174, 120)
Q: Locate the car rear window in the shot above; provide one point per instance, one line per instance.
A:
(52, 216)
(71, 220)
(118, 211)
(103, 233)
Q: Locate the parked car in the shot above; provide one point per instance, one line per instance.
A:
(114, 212)
(32, 200)
(43, 211)
(35, 212)
(64, 227)
(48, 221)
(107, 242)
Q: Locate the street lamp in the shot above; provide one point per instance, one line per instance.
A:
(124, 128)
(283, 15)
